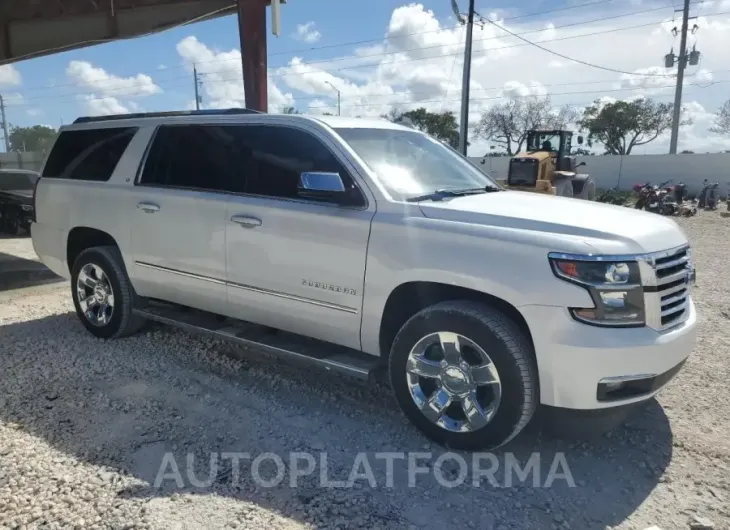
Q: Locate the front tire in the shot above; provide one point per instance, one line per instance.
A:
(102, 294)
(465, 375)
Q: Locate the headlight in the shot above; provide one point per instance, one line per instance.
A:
(26, 207)
(614, 286)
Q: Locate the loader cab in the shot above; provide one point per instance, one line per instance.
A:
(546, 151)
(557, 143)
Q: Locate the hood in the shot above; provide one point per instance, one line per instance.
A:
(607, 228)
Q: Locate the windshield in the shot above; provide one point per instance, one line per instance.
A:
(544, 142)
(410, 163)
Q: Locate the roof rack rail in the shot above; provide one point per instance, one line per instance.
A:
(165, 114)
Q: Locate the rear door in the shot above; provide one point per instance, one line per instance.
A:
(179, 218)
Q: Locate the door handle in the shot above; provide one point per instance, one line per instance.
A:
(246, 221)
(148, 207)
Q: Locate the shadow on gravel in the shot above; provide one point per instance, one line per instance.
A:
(16, 272)
(127, 403)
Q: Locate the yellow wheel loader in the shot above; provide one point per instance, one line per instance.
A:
(547, 167)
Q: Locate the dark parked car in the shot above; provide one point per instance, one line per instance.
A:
(16, 199)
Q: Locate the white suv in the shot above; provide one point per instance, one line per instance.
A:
(354, 244)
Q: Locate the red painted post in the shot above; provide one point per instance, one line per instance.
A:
(252, 32)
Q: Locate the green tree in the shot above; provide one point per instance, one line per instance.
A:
(289, 110)
(35, 138)
(580, 151)
(623, 125)
(441, 125)
(722, 119)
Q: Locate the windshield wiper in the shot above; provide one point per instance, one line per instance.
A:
(441, 194)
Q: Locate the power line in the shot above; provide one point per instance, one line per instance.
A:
(451, 28)
(569, 37)
(520, 96)
(420, 48)
(125, 90)
(592, 65)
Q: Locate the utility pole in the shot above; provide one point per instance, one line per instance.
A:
(338, 96)
(464, 125)
(5, 125)
(669, 60)
(197, 90)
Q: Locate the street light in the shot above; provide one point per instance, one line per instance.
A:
(338, 96)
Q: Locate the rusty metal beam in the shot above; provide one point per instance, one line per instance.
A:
(6, 42)
(112, 22)
(252, 33)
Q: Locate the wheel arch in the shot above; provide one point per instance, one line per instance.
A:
(81, 238)
(408, 298)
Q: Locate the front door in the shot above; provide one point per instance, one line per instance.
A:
(294, 264)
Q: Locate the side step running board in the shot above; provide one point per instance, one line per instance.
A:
(274, 342)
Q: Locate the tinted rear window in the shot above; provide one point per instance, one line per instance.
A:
(88, 154)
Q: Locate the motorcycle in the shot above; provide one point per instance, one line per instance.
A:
(680, 192)
(651, 198)
(702, 197)
(712, 196)
(643, 191)
(674, 202)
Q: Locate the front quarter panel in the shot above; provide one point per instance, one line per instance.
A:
(506, 263)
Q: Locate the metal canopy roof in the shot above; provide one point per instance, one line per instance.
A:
(32, 28)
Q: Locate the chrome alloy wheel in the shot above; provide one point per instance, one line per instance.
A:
(453, 382)
(95, 294)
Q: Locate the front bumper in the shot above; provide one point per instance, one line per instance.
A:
(577, 363)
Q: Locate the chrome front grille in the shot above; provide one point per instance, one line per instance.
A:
(666, 279)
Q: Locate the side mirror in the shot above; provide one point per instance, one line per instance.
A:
(320, 185)
(580, 140)
(581, 164)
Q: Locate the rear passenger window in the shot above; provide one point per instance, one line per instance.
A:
(192, 156)
(88, 154)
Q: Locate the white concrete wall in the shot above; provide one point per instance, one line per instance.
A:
(25, 160)
(608, 171)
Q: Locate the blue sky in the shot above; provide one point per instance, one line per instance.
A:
(410, 56)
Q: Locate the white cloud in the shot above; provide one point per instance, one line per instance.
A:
(307, 33)
(222, 78)
(419, 63)
(34, 112)
(9, 76)
(102, 105)
(86, 75)
(13, 98)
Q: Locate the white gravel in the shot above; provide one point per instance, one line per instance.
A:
(84, 426)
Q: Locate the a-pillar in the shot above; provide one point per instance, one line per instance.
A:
(252, 31)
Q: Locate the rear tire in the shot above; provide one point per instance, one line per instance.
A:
(467, 417)
(103, 296)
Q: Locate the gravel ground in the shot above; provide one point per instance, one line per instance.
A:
(85, 426)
